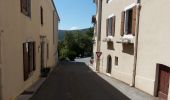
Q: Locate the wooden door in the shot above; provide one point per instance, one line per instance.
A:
(163, 86)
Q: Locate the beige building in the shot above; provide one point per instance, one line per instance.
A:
(117, 39)
(153, 66)
(48, 36)
(133, 38)
(24, 25)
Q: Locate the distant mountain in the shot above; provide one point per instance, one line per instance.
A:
(62, 32)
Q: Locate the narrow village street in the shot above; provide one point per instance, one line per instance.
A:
(75, 81)
(84, 50)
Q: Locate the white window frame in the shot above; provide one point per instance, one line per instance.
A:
(130, 6)
(111, 15)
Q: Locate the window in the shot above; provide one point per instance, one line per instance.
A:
(28, 59)
(94, 19)
(26, 7)
(128, 21)
(110, 45)
(116, 61)
(110, 26)
(108, 1)
(41, 13)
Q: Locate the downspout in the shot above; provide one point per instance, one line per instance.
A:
(0, 84)
(1, 31)
(99, 33)
(136, 43)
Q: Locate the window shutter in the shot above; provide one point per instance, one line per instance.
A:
(107, 24)
(31, 56)
(23, 6)
(21, 3)
(134, 20)
(47, 51)
(25, 61)
(122, 23)
(34, 56)
(29, 7)
(113, 25)
(26, 7)
(41, 14)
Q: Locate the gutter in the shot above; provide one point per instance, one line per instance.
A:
(100, 22)
(55, 9)
(136, 43)
(99, 33)
(0, 84)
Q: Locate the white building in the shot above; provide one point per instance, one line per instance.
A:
(133, 38)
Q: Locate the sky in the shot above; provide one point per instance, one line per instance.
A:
(75, 14)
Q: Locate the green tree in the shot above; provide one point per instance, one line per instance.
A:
(76, 43)
(90, 32)
(70, 45)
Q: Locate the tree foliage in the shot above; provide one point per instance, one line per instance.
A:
(76, 44)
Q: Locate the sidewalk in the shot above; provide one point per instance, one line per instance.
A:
(63, 80)
(28, 93)
(131, 92)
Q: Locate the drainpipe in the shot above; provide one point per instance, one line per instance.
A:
(136, 43)
(99, 33)
(1, 31)
(0, 84)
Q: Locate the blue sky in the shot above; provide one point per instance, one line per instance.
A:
(75, 14)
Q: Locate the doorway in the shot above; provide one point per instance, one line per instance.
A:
(109, 64)
(28, 59)
(42, 55)
(43, 52)
(163, 81)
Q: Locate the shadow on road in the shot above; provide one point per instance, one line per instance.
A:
(75, 81)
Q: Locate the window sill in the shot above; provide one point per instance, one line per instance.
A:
(93, 40)
(109, 1)
(126, 39)
(108, 39)
(110, 49)
(116, 66)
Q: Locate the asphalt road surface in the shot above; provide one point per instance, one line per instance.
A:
(75, 81)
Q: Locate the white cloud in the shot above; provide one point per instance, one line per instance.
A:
(74, 28)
